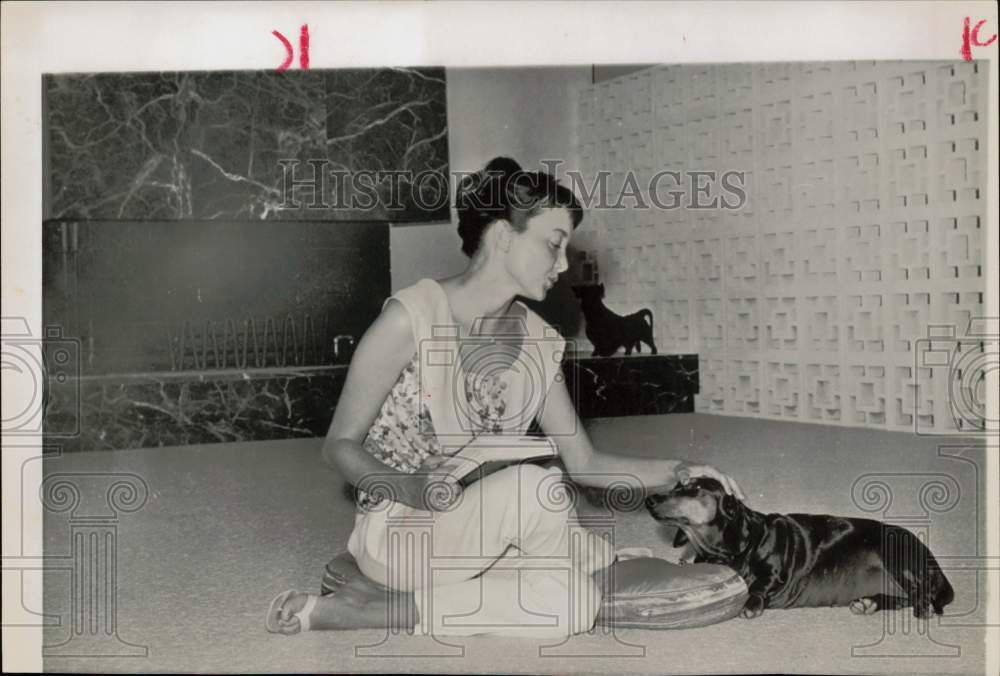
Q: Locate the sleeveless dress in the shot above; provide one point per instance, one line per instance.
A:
(448, 395)
(509, 558)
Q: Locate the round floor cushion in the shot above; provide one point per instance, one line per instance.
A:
(644, 592)
(650, 593)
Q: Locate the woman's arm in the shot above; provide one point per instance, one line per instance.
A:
(586, 466)
(380, 356)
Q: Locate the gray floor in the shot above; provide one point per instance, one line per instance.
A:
(225, 527)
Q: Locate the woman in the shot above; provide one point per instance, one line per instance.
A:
(424, 380)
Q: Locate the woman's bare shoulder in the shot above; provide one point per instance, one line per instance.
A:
(392, 332)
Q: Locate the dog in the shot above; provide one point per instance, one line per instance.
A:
(804, 560)
(608, 331)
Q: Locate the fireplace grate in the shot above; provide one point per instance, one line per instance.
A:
(252, 342)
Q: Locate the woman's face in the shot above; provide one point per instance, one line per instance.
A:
(537, 256)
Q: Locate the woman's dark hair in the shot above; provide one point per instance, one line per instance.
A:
(502, 190)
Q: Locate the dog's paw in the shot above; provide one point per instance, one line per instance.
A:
(753, 608)
(864, 606)
(921, 611)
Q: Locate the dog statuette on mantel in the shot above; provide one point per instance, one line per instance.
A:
(607, 330)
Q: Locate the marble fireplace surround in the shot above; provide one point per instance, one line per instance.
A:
(140, 165)
(105, 412)
(224, 145)
(168, 215)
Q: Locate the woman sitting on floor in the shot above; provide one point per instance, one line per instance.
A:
(496, 558)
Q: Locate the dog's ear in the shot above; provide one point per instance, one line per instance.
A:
(728, 506)
(680, 538)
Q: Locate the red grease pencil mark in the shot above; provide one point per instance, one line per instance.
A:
(304, 47)
(290, 53)
(971, 38)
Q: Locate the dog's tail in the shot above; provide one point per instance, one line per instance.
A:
(914, 568)
(647, 315)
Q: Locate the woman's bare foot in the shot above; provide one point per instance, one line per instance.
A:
(357, 603)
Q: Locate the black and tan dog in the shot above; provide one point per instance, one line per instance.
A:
(805, 560)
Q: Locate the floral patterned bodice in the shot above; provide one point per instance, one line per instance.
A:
(402, 434)
(503, 383)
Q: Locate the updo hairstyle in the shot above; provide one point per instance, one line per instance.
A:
(502, 190)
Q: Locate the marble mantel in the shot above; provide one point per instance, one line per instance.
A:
(180, 408)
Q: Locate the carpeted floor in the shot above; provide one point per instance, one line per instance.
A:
(225, 527)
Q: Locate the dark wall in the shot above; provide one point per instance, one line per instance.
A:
(177, 238)
(183, 295)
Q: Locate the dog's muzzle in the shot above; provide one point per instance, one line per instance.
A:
(656, 504)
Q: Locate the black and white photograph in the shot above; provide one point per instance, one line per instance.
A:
(500, 338)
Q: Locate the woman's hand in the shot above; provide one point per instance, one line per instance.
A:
(686, 472)
(426, 488)
(432, 462)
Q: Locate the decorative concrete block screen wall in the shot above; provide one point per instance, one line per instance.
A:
(862, 234)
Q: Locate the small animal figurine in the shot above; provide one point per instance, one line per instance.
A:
(608, 331)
